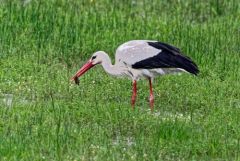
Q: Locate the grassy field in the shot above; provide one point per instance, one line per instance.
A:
(44, 117)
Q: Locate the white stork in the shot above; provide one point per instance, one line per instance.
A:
(141, 58)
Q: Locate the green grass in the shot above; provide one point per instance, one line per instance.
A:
(43, 43)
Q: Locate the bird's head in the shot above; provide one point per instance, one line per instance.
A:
(96, 58)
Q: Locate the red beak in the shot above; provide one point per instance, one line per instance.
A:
(81, 71)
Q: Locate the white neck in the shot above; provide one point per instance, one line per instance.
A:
(109, 68)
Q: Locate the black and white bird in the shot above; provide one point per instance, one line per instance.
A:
(141, 58)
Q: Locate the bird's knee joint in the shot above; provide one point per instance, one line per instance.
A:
(133, 99)
(151, 98)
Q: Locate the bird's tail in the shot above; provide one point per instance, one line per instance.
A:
(187, 64)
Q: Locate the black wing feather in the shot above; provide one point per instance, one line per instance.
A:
(169, 57)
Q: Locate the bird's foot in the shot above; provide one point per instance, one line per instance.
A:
(133, 102)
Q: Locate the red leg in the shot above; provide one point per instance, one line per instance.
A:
(134, 93)
(151, 98)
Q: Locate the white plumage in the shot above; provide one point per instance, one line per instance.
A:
(142, 58)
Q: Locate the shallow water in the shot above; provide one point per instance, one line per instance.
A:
(6, 100)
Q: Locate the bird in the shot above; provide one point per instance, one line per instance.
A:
(138, 59)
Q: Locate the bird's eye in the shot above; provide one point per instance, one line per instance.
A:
(94, 57)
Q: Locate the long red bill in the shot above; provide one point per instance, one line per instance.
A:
(81, 71)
